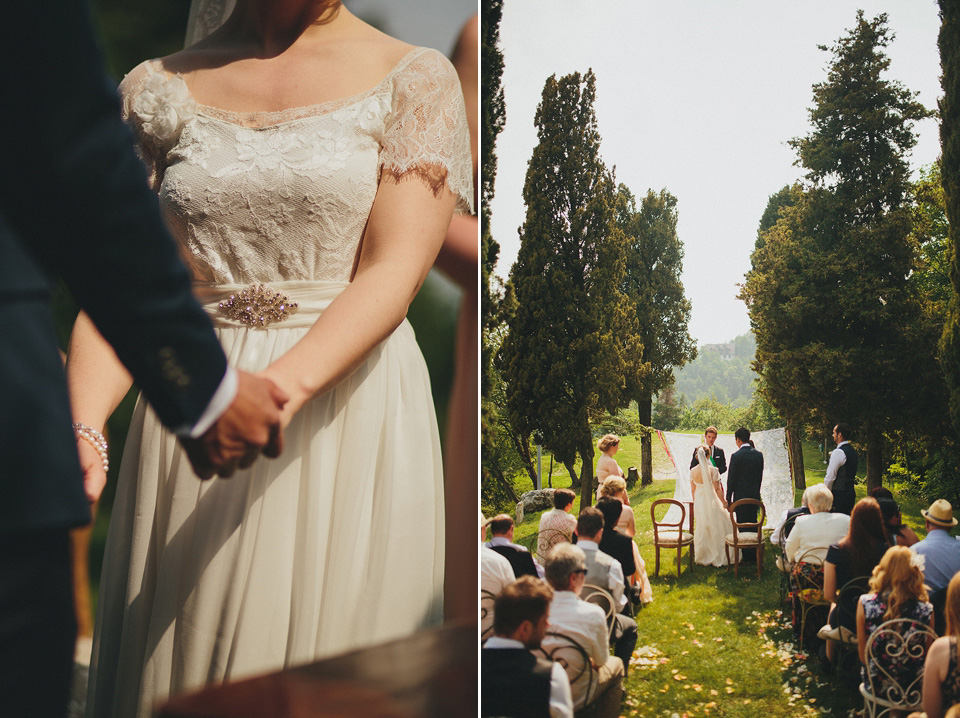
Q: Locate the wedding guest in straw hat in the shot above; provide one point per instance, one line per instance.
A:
(940, 550)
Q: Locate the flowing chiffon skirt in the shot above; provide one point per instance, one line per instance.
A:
(711, 525)
(335, 545)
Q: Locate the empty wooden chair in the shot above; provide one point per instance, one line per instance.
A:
(671, 534)
(746, 535)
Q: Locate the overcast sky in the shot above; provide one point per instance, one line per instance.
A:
(699, 97)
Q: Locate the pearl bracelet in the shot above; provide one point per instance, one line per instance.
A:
(96, 440)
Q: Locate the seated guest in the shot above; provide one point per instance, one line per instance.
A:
(896, 591)
(940, 551)
(783, 528)
(558, 525)
(616, 543)
(941, 673)
(898, 533)
(501, 541)
(513, 681)
(565, 568)
(818, 530)
(855, 555)
(495, 573)
(615, 487)
(606, 572)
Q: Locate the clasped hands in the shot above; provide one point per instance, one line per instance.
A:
(251, 425)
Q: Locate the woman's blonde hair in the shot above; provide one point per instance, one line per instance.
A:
(612, 486)
(897, 577)
(607, 440)
(952, 608)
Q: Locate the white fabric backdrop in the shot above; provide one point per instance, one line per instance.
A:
(776, 491)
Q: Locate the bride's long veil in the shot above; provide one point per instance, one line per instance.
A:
(205, 17)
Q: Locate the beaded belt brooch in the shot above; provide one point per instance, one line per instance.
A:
(258, 306)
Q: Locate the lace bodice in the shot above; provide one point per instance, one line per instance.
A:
(268, 196)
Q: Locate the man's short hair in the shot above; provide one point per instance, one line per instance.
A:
(562, 498)
(844, 431)
(819, 497)
(743, 434)
(611, 509)
(500, 524)
(526, 599)
(710, 430)
(560, 563)
(589, 522)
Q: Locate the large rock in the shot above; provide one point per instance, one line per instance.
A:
(533, 501)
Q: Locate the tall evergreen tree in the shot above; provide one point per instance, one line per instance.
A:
(949, 43)
(496, 457)
(829, 293)
(570, 349)
(652, 285)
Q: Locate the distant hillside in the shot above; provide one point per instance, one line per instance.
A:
(720, 371)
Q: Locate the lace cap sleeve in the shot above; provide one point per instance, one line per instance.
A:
(130, 88)
(426, 131)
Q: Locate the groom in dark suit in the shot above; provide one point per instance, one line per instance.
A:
(74, 202)
(743, 481)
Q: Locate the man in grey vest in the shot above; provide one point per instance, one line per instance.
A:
(607, 573)
(842, 471)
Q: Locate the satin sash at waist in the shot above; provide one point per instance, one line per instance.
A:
(311, 297)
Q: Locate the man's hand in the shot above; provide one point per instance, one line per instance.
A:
(250, 424)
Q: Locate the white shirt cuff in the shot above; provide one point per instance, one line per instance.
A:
(222, 398)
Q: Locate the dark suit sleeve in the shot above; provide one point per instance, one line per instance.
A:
(74, 192)
(731, 478)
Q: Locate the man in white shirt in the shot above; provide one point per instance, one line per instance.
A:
(501, 541)
(513, 681)
(495, 573)
(813, 534)
(585, 623)
(842, 471)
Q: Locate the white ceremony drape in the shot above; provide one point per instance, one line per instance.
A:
(776, 490)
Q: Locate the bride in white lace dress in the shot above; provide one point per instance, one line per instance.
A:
(301, 149)
(711, 519)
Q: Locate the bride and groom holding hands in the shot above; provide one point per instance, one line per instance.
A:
(291, 560)
(711, 503)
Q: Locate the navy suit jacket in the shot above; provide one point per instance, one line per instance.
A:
(745, 474)
(74, 203)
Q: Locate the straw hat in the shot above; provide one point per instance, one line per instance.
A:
(940, 513)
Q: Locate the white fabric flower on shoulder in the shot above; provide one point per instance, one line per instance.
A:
(163, 106)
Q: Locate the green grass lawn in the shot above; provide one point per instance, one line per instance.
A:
(712, 644)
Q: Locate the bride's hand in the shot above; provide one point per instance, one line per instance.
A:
(297, 398)
(94, 477)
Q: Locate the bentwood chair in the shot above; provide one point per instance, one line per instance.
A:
(746, 535)
(784, 565)
(895, 652)
(808, 589)
(670, 534)
(486, 614)
(601, 597)
(845, 644)
(561, 648)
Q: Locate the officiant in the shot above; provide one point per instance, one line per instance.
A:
(714, 453)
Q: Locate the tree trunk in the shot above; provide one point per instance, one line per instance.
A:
(522, 445)
(874, 459)
(586, 477)
(645, 416)
(506, 485)
(550, 474)
(574, 479)
(796, 456)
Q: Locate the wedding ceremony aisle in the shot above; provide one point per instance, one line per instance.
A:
(711, 644)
